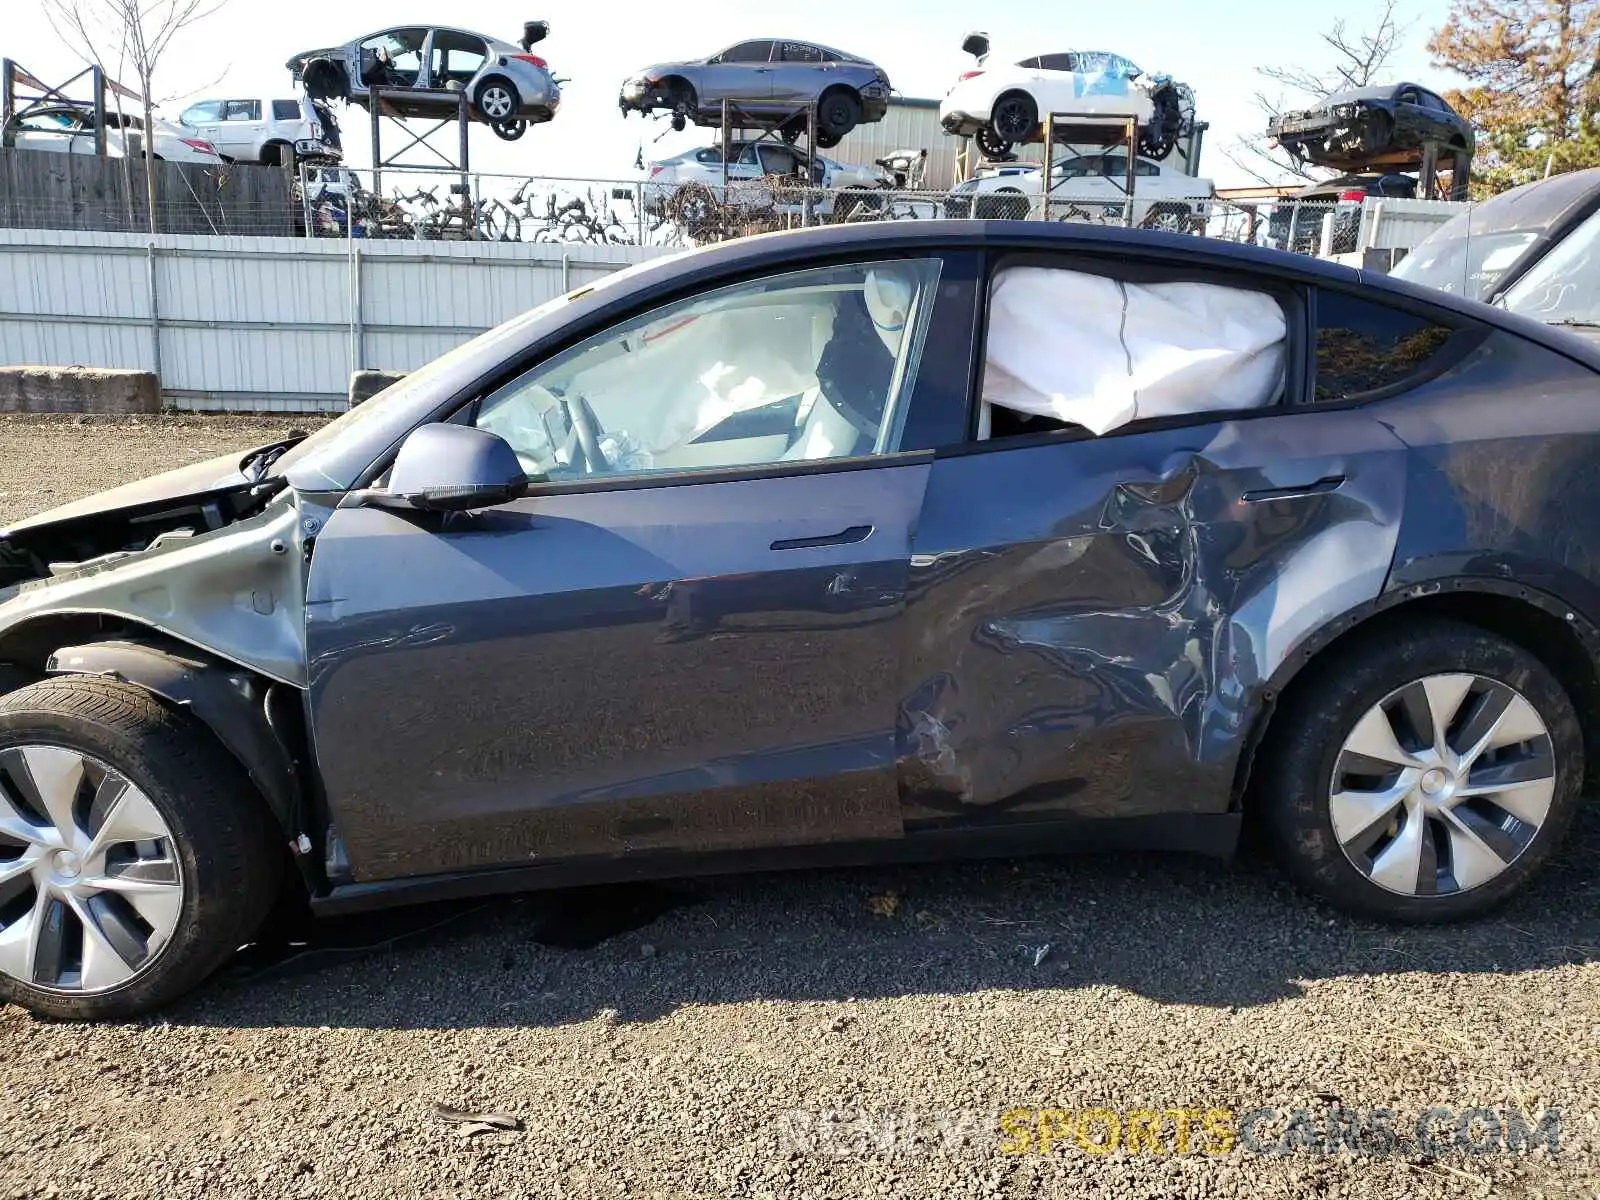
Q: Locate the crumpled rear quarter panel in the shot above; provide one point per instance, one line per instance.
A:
(1091, 623)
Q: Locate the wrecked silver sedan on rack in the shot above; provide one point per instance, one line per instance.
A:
(723, 563)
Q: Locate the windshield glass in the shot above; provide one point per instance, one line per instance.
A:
(1454, 259)
(1563, 287)
(400, 395)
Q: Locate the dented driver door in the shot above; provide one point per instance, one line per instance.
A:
(1091, 619)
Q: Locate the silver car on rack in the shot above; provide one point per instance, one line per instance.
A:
(422, 71)
(768, 82)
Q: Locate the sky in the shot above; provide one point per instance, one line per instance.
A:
(240, 49)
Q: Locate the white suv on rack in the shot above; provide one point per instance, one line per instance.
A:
(266, 131)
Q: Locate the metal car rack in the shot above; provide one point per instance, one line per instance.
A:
(380, 110)
(769, 131)
(21, 92)
(1105, 133)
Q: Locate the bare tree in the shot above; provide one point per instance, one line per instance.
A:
(129, 35)
(1359, 59)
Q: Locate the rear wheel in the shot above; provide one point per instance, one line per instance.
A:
(1424, 777)
(497, 101)
(134, 854)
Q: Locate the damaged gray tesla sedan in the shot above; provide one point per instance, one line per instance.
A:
(855, 544)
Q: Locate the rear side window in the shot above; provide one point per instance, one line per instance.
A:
(1068, 349)
(242, 110)
(1365, 348)
(286, 110)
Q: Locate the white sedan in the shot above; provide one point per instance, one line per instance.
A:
(694, 180)
(1088, 187)
(1001, 106)
(69, 129)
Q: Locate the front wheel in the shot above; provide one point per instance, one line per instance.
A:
(134, 854)
(838, 112)
(1424, 776)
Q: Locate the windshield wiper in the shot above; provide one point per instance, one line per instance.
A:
(258, 464)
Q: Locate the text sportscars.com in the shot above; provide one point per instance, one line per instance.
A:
(1326, 1129)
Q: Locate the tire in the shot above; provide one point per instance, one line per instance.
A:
(497, 101)
(838, 112)
(991, 145)
(1341, 701)
(218, 846)
(1015, 117)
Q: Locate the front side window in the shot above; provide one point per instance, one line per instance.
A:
(775, 161)
(1364, 347)
(203, 113)
(799, 367)
(800, 52)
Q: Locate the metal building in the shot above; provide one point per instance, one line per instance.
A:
(909, 124)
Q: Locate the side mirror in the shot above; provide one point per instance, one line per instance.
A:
(449, 468)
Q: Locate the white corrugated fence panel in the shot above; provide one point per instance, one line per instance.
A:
(267, 324)
(1401, 224)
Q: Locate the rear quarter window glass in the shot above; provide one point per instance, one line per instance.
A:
(1365, 347)
(285, 110)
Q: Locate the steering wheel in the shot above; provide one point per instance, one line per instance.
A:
(587, 427)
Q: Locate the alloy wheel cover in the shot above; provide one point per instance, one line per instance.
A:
(1442, 785)
(91, 887)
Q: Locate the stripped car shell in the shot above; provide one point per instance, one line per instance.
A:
(973, 642)
(1362, 128)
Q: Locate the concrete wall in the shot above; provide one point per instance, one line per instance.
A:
(267, 324)
(77, 390)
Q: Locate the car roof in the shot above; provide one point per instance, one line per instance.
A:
(1538, 204)
(1386, 91)
(728, 261)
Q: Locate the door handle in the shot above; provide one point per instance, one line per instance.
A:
(845, 537)
(1328, 483)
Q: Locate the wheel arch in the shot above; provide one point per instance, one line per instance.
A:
(1554, 632)
(272, 151)
(258, 720)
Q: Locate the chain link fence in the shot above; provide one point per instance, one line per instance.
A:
(430, 205)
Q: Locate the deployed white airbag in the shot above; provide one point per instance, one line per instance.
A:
(1100, 353)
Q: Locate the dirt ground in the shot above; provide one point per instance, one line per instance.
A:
(690, 1040)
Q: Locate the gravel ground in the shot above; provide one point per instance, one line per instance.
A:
(679, 1041)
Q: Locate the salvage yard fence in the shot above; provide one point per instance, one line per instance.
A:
(267, 324)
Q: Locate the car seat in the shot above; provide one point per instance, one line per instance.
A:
(842, 413)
